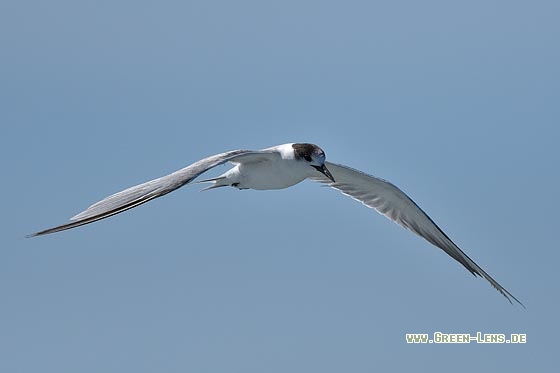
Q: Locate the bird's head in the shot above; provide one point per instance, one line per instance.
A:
(312, 155)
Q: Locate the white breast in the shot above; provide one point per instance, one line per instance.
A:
(272, 175)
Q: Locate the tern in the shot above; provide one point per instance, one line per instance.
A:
(281, 167)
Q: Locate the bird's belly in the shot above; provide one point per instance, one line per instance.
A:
(263, 176)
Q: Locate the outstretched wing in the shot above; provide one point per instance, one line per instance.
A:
(142, 193)
(393, 203)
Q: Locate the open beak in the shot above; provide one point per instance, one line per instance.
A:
(323, 169)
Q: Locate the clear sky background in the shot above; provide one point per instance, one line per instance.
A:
(455, 102)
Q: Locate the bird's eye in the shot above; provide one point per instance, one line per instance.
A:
(307, 158)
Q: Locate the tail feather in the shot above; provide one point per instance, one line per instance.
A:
(215, 183)
(212, 187)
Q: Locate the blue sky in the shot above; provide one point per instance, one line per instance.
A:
(455, 102)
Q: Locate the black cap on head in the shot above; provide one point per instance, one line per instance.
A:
(310, 153)
(306, 151)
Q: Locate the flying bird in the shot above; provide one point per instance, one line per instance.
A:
(281, 167)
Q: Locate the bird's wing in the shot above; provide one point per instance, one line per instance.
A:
(265, 155)
(393, 203)
(142, 193)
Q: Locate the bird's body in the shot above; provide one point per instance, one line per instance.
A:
(280, 167)
(274, 168)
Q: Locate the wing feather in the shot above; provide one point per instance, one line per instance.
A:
(142, 193)
(393, 203)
